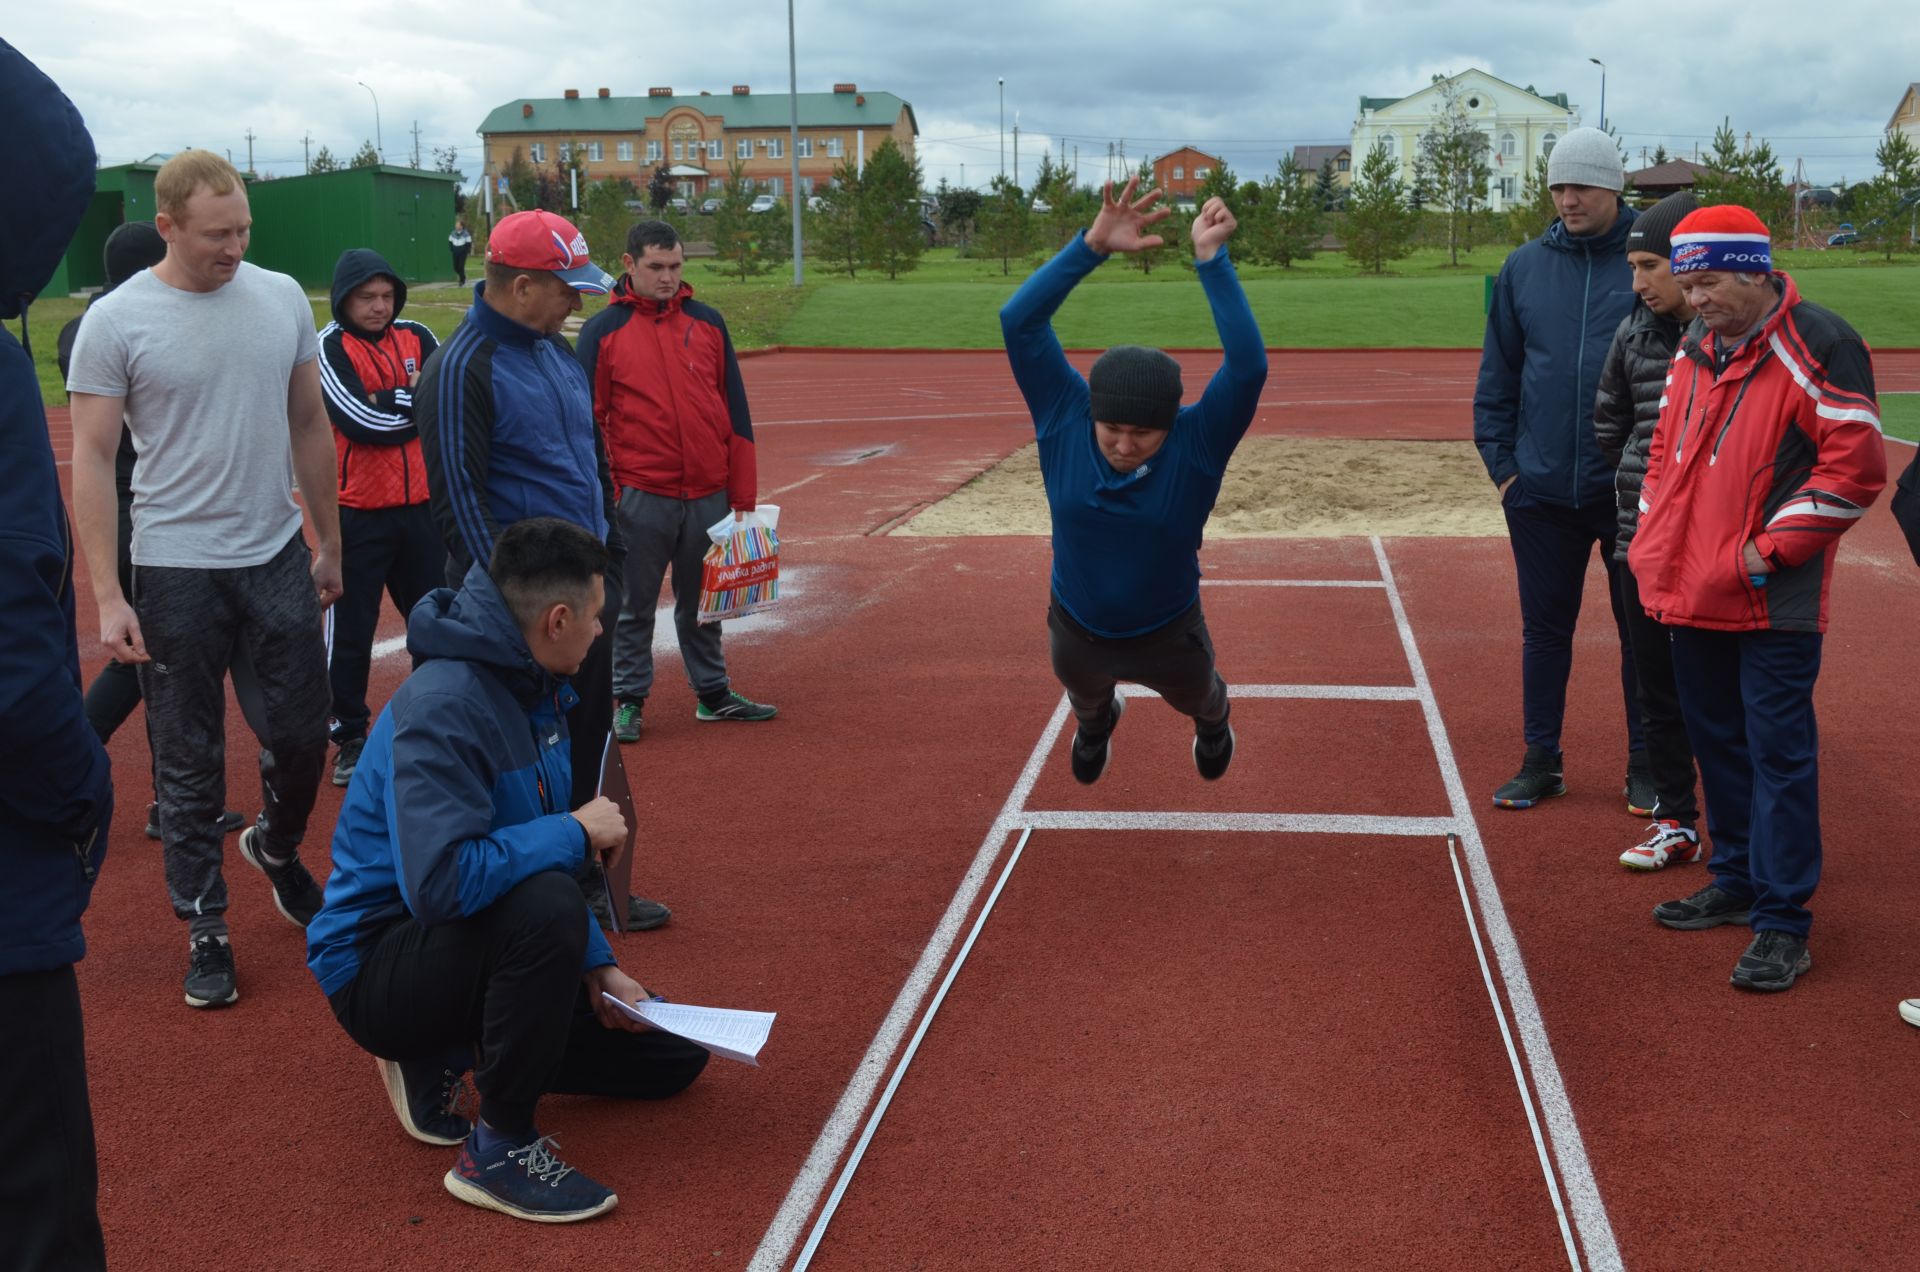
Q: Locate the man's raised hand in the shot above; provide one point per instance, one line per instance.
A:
(1212, 228)
(1119, 226)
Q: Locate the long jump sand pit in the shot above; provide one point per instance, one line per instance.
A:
(1276, 487)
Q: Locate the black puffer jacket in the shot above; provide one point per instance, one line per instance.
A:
(1627, 407)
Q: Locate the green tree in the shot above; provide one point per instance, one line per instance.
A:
(523, 182)
(605, 218)
(1886, 219)
(659, 188)
(365, 157)
(1745, 174)
(1454, 154)
(447, 159)
(323, 161)
(736, 231)
(1660, 156)
(891, 236)
(1005, 223)
(1326, 188)
(833, 219)
(1168, 228)
(1379, 225)
(956, 208)
(1529, 218)
(1288, 224)
(1219, 183)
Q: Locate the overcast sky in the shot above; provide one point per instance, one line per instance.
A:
(1244, 79)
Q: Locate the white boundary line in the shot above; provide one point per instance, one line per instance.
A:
(1269, 823)
(1576, 1173)
(1291, 583)
(1364, 693)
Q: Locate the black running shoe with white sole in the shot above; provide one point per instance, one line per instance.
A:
(210, 976)
(424, 1094)
(1539, 778)
(1090, 755)
(1212, 753)
(295, 894)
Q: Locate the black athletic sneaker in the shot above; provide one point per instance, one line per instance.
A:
(424, 1094)
(1538, 779)
(230, 821)
(295, 894)
(1639, 787)
(1772, 962)
(210, 979)
(1709, 907)
(642, 915)
(347, 760)
(1212, 753)
(1089, 755)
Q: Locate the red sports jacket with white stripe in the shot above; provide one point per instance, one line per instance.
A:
(1781, 447)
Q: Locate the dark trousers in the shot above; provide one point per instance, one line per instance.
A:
(591, 719)
(198, 624)
(1669, 753)
(115, 692)
(1552, 544)
(1748, 699)
(49, 1180)
(392, 550)
(665, 534)
(460, 263)
(1175, 661)
(507, 982)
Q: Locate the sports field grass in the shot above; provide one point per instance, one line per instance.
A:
(1900, 415)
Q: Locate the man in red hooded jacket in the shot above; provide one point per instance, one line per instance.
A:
(1768, 448)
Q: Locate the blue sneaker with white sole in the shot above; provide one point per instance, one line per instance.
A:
(527, 1181)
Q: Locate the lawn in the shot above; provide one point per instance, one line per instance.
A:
(1900, 415)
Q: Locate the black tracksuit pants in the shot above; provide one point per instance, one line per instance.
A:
(1669, 753)
(507, 982)
(49, 1178)
(1175, 661)
(392, 550)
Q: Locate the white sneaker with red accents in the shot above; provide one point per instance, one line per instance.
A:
(1667, 843)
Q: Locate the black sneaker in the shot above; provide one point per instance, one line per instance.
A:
(629, 718)
(527, 1181)
(1090, 755)
(642, 915)
(734, 707)
(1772, 962)
(295, 894)
(347, 760)
(1639, 787)
(1211, 755)
(210, 978)
(1709, 907)
(1538, 779)
(424, 1092)
(230, 821)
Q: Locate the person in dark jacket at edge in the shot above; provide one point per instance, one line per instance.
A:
(370, 361)
(115, 691)
(1555, 308)
(452, 920)
(1632, 386)
(1768, 450)
(56, 787)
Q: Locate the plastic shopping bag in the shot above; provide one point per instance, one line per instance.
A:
(741, 572)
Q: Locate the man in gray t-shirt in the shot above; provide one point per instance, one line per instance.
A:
(211, 362)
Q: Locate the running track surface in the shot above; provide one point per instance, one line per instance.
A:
(1172, 1045)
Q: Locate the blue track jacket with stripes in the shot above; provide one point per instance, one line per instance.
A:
(461, 792)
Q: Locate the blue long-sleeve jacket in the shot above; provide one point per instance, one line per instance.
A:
(1126, 545)
(1556, 305)
(461, 792)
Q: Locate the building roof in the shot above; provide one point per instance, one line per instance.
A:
(741, 110)
(1912, 89)
(1552, 99)
(1378, 103)
(1311, 157)
(1676, 173)
(1178, 150)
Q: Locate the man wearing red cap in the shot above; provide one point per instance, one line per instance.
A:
(1767, 449)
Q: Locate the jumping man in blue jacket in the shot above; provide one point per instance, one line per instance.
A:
(1131, 476)
(1555, 307)
(453, 934)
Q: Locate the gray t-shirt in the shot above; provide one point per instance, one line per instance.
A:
(205, 378)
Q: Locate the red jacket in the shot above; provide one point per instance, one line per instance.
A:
(1783, 448)
(366, 387)
(668, 398)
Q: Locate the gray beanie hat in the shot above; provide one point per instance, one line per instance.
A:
(1588, 157)
(1135, 385)
(1652, 230)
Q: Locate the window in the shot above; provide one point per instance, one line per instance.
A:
(1509, 145)
(833, 147)
(776, 147)
(566, 152)
(1345, 164)
(1179, 172)
(1392, 144)
(713, 150)
(653, 152)
(679, 151)
(804, 148)
(1547, 143)
(596, 151)
(807, 185)
(1506, 188)
(1200, 174)
(537, 152)
(624, 152)
(743, 148)
(776, 187)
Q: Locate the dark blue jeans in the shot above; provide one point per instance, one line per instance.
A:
(1748, 700)
(1552, 544)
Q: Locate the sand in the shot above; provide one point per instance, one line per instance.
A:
(1276, 487)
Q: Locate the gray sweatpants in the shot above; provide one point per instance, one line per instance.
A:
(665, 534)
(198, 624)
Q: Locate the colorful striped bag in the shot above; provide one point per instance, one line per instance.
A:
(741, 572)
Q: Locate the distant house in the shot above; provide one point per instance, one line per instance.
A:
(1340, 158)
(1521, 125)
(1663, 179)
(1180, 172)
(1906, 116)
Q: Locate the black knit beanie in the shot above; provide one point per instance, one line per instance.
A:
(1136, 386)
(132, 247)
(1652, 230)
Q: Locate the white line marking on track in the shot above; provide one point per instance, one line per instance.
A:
(1267, 823)
(1363, 693)
(390, 646)
(793, 485)
(1291, 583)
(890, 419)
(1583, 1194)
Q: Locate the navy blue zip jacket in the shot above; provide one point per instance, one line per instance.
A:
(1126, 545)
(506, 426)
(1556, 305)
(461, 792)
(56, 790)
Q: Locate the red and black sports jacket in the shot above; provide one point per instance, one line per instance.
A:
(1782, 447)
(365, 383)
(668, 398)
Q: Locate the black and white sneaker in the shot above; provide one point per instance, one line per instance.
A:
(347, 760)
(1089, 754)
(210, 976)
(1772, 962)
(1539, 778)
(1709, 907)
(1212, 753)
(295, 894)
(425, 1093)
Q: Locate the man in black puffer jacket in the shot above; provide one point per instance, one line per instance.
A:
(1632, 386)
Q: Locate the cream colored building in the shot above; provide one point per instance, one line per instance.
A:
(1520, 125)
(1906, 116)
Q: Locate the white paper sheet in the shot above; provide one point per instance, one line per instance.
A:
(737, 1035)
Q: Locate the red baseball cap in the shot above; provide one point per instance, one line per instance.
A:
(538, 239)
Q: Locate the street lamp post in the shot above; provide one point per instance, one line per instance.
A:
(793, 143)
(379, 146)
(1603, 91)
(1003, 127)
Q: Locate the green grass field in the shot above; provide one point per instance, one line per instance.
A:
(1900, 415)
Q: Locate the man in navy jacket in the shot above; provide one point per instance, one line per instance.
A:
(1555, 308)
(56, 791)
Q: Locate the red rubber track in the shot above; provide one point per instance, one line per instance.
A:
(1167, 1051)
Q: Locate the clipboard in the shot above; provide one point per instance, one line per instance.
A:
(616, 871)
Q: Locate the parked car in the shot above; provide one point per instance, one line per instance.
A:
(815, 203)
(1042, 206)
(680, 205)
(709, 206)
(762, 203)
